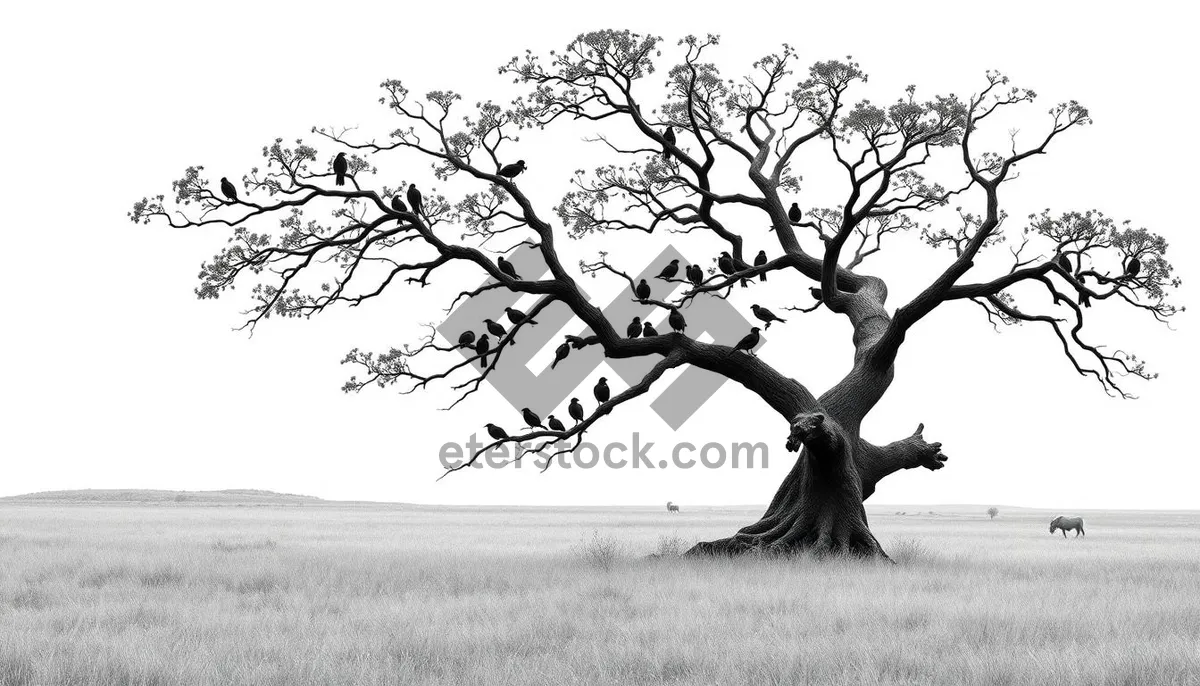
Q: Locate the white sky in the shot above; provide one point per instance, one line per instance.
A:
(112, 374)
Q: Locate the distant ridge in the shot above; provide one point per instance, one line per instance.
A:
(134, 495)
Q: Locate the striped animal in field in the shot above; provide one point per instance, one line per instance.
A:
(1065, 523)
(672, 507)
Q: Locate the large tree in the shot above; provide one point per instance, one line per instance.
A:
(699, 157)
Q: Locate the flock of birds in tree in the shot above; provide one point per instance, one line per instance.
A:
(636, 328)
(726, 263)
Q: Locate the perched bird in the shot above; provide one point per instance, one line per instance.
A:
(669, 137)
(560, 354)
(531, 418)
(398, 204)
(510, 171)
(554, 424)
(766, 315)
(1132, 269)
(496, 432)
(729, 265)
(481, 348)
(466, 339)
(815, 293)
(643, 290)
(414, 199)
(648, 330)
(576, 342)
(601, 390)
(669, 271)
(794, 213)
(518, 317)
(496, 330)
(695, 274)
(748, 342)
(1064, 262)
(676, 320)
(340, 166)
(759, 260)
(506, 268)
(228, 189)
(576, 410)
(635, 328)
(725, 264)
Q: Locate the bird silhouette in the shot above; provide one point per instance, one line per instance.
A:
(759, 260)
(766, 315)
(554, 424)
(496, 432)
(669, 271)
(748, 342)
(481, 348)
(398, 204)
(507, 269)
(560, 354)
(1064, 262)
(576, 342)
(531, 418)
(576, 410)
(676, 320)
(601, 390)
(725, 263)
(729, 265)
(794, 214)
(517, 317)
(815, 293)
(648, 330)
(1134, 266)
(635, 328)
(466, 338)
(414, 199)
(695, 274)
(643, 290)
(510, 171)
(669, 137)
(228, 189)
(340, 166)
(497, 330)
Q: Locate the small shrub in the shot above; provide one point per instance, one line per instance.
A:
(671, 546)
(909, 551)
(601, 552)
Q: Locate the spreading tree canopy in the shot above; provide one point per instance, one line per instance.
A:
(673, 151)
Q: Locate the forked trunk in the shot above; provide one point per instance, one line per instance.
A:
(818, 508)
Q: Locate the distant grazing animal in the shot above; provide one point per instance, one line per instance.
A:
(1064, 523)
(672, 507)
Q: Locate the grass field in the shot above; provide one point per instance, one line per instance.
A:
(174, 593)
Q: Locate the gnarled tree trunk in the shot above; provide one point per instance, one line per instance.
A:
(819, 506)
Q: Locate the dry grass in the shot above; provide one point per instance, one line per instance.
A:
(360, 595)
